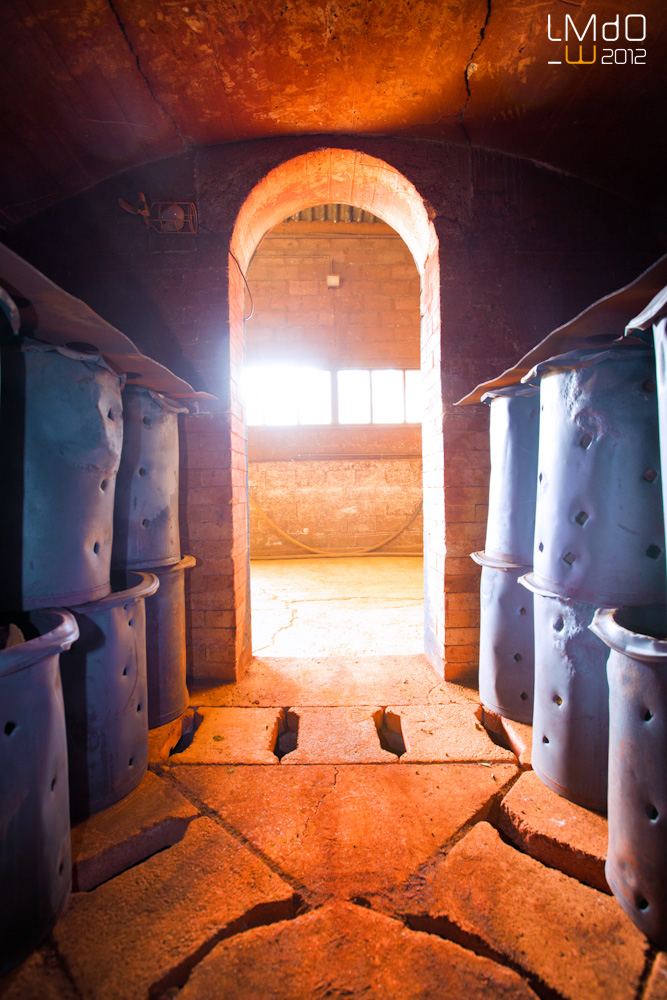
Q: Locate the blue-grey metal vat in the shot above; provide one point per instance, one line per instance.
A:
(571, 713)
(636, 867)
(145, 526)
(599, 527)
(106, 703)
(506, 641)
(165, 645)
(514, 435)
(60, 443)
(35, 857)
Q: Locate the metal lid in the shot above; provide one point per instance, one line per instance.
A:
(586, 358)
(511, 390)
(493, 562)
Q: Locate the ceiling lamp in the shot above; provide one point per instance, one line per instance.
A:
(164, 216)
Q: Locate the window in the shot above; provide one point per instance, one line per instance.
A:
(287, 395)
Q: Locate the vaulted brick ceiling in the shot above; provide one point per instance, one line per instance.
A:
(91, 87)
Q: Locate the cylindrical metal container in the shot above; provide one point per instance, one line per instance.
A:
(514, 431)
(506, 641)
(571, 714)
(599, 528)
(660, 341)
(106, 705)
(165, 645)
(35, 859)
(146, 505)
(59, 451)
(636, 867)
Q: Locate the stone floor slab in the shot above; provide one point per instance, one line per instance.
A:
(38, 978)
(154, 816)
(566, 937)
(330, 681)
(555, 831)
(349, 831)
(516, 735)
(443, 733)
(346, 951)
(338, 736)
(656, 988)
(233, 736)
(145, 927)
(161, 741)
(520, 738)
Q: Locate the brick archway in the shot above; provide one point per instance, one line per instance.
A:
(348, 177)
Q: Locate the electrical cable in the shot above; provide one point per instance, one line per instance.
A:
(335, 553)
(233, 256)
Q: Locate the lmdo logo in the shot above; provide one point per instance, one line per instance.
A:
(586, 46)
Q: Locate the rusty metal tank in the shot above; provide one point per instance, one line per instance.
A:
(599, 528)
(571, 712)
(35, 859)
(59, 449)
(514, 435)
(146, 504)
(636, 867)
(165, 645)
(106, 704)
(506, 641)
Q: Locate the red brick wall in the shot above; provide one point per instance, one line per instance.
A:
(339, 504)
(370, 321)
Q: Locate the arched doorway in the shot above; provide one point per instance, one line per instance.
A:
(349, 177)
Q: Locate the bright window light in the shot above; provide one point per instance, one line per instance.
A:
(387, 396)
(286, 395)
(314, 396)
(413, 397)
(354, 397)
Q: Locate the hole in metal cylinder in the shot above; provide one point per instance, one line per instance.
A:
(9, 728)
(650, 475)
(653, 552)
(652, 813)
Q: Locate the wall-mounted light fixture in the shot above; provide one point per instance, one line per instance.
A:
(333, 280)
(164, 216)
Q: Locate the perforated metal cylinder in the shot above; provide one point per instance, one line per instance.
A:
(571, 713)
(599, 527)
(660, 342)
(165, 645)
(514, 434)
(146, 506)
(104, 686)
(636, 867)
(506, 641)
(59, 449)
(35, 857)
